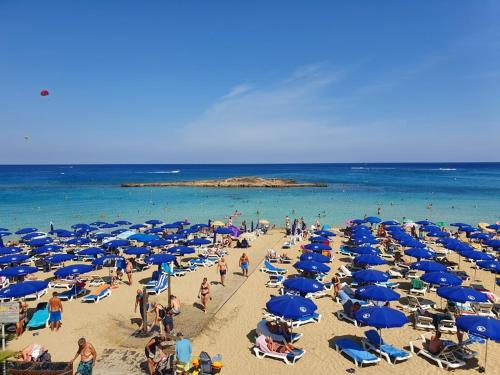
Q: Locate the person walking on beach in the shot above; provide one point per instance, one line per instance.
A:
(88, 356)
(204, 293)
(183, 350)
(129, 267)
(175, 305)
(244, 263)
(139, 301)
(222, 269)
(55, 311)
(150, 350)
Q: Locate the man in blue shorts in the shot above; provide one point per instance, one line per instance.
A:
(55, 311)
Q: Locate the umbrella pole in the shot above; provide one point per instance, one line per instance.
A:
(380, 343)
(486, 356)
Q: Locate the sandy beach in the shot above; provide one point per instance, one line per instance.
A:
(229, 326)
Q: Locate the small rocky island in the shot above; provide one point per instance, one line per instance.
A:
(234, 182)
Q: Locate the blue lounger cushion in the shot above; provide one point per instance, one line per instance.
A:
(355, 350)
(374, 339)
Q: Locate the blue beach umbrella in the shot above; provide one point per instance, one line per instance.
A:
(357, 221)
(4, 234)
(62, 233)
(428, 266)
(318, 239)
(174, 237)
(476, 255)
(421, 253)
(80, 226)
(159, 258)
(59, 258)
(186, 232)
(312, 266)
(291, 307)
(170, 226)
(123, 222)
(107, 260)
(154, 222)
(390, 222)
(91, 251)
(459, 225)
(376, 293)
(438, 234)
(492, 243)
(198, 242)
(324, 233)
(424, 222)
(461, 294)
(18, 271)
(13, 258)
(10, 250)
(317, 247)
(137, 226)
(30, 236)
(78, 241)
(490, 265)
(480, 236)
(40, 242)
(482, 326)
(381, 317)
(222, 230)
(108, 226)
(370, 276)
(373, 220)
(113, 244)
(154, 231)
(316, 257)
(98, 223)
(23, 289)
(467, 229)
(47, 249)
(197, 227)
(303, 285)
(142, 237)
(494, 227)
(431, 228)
(26, 230)
(181, 223)
(136, 251)
(364, 250)
(158, 242)
(181, 250)
(116, 232)
(73, 270)
(441, 278)
(4, 230)
(369, 260)
(411, 243)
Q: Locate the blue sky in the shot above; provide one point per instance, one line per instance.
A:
(259, 81)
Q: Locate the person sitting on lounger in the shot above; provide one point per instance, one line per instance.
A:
(355, 307)
(435, 343)
(276, 347)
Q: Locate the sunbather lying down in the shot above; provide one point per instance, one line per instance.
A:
(31, 352)
(280, 328)
(267, 344)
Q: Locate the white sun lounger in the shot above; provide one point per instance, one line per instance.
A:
(446, 358)
(261, 351)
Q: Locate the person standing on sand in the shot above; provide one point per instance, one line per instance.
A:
(55, 311)
(175, 305)
(204, 293)
(244, 263)
(139, 301)
(87, 354)
(129, 267)
(222, 269)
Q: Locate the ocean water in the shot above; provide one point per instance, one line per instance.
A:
(67, 194)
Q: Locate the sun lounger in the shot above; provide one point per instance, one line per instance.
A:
(200, 262)
(446, 358)
(93, 280)
(263, 329)
(36, 295)
(423, 322)
(286, 260)
(483, 309)
(275, 281)
(75, 291)
(154, 279)
(344, 314)
(99, 293)
(393, 272)
(261, 351)
(388, 284)
(269, 268)
(62, 283)
(312, 318)
(417, 286)
(40, 317)
(160, 286)
(414, 303)
(374, 342)
(355, 351)
(178, 272)
(447, 326)
(344, 250)
(343, 296)
(343, 271)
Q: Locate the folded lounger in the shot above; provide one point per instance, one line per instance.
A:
(269, 268)
(261, 351)
(374, 342)
(75, 291)
(99, 293)
(160, 286)
(40, 317)
(355, 351)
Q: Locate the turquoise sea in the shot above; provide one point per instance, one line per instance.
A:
(34, 195)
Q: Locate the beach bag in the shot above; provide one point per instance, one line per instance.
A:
(205, 363)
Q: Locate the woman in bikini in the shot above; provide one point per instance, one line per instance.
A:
(204, 293)
(222, 269)
(23, 309)
(128, 269)
(336, 285)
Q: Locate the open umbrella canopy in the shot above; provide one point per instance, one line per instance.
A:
(116, 232)
(113, 244)
(319, 239)
(291, 307)
(23, 289)
(373, 220)
(175, 237)
(13, 258)
(222, 230)
(98, 223)
(123, 222)
(364, 250)
(390, 222)
(142, 237)
(494, 227)
(303, 285)
(91, 251)
(137, 226)
(181, 223)
(480, 236)
(159, 258)
(198, 242)
(438, 234)
(30, 236)
(59, 258)
(80, 226)
(10, 250)
(476, 255)
(490, 265)
(492, 243)
(412, 243)
(47, 249)
(107, 260)
(369, 260)
(461, 294)
(197, 227)
(73, 270)
(17, 271)
(154, 222)
(26, 230)
(311, 266)
(108, 226)
(418, 252)
(4, 234)
(78, 241)
(441, 278)
(317, 247)
(377, 293)
(482, 326)
(316, 257)
(136, 251)
(428, 266)
(63, 233)
(158, 242)
(370, 276)
(181, 250)
(459, 225)
(4, 230)
(381, 317)
(40, 241)
(324, 233)
(170, 226)
(424, 222)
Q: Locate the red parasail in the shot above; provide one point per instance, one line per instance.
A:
(44, 93)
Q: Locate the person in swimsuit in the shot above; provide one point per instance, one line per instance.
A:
(244, 263)
(336, 285)
(175, 305)
(150, 350)
(139, 300)
(204, 293)
(55, 311)
(23, 310)
(87, 354)
(222, 268)
(129, 267)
